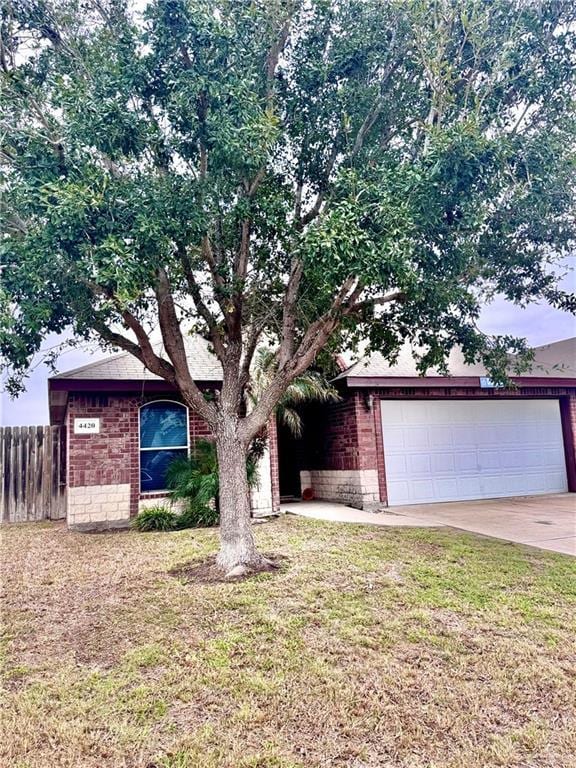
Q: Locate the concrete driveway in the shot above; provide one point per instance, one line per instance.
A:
(547, 522)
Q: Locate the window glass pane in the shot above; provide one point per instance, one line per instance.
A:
(153, 466)
(163, 425)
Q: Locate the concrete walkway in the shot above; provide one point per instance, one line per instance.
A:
(547, 522)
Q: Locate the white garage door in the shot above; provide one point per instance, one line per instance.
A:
(471, 449)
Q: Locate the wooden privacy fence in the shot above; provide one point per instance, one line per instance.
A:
(32, 467)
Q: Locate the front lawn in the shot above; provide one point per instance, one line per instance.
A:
(372, 648)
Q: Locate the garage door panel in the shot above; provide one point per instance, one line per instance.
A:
(450, 450)
(441, 437)
(397, 464)
(442, 463)
(420, 489)
(463, 436)
(535, 483)
(419, 464)
(416, 438)
(554, 480)
(466, 462)
(486, 434)
(552, 457)
(444, 487)
(518, 484)
(494, 485)
(531, 432)
(398, 489)
(488, 459)
(513, 459)
(395, 438)
(533, 459)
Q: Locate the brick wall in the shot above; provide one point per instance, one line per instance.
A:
(108, 457)
(107, 464)
(342, 461)
(343, 435)
(111, 457)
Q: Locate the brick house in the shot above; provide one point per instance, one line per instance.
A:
(394, 438)
(123, 425)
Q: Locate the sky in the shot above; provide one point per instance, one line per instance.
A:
(538, 323)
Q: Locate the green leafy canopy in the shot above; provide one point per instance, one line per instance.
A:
(308, 172)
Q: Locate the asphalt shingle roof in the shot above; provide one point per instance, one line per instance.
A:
(556, 360)
(204, 366)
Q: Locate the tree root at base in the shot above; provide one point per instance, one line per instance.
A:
(209, 572)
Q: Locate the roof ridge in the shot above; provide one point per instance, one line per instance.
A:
(96, 363)
(552, 343)
(123, 365)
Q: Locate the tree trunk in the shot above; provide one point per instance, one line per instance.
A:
(237, 547)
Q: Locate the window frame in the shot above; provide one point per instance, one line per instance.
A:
(160, 491)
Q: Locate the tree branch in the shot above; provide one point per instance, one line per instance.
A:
(310, 215)
(376, 109)
(174, 344)
(274, 54)
(146, 354)
(369, 303)
(201, 306)
(255, 183)
(144, 350)
(289, 312)
(312, 342)
(241, 261)
(248, 352)
(162, 368)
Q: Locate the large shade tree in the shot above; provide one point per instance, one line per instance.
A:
(304, 172)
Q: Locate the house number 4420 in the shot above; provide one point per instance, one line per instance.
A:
(86, 426)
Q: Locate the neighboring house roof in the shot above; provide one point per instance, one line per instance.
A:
(204, 366)
(557, 359)
(551, 361)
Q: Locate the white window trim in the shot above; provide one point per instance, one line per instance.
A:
(163, 448)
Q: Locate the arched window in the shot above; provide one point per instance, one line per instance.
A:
(163, 437)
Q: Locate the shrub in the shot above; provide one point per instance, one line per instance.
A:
(156, 519)
(198, 516)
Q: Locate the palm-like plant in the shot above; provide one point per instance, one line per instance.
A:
(310, 386)
(194, 480)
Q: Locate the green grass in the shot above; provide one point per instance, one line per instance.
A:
(372, 648)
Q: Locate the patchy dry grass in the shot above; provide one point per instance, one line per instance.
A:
(369, 648)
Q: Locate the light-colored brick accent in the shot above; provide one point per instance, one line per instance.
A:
(261, 495)
(356, 487)
(160, 501)
(99, 506)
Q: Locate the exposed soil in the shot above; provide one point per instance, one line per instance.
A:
(207, 572)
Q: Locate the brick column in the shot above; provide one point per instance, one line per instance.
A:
(347, 468)
(568, 416)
